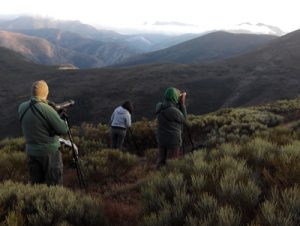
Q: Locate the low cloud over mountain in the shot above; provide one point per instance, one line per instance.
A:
(258, 28)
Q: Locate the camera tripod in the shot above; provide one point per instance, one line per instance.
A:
(81, 180)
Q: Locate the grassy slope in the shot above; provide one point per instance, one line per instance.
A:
(121, 195)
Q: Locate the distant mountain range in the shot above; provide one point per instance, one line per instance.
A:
(210, 47)
(44, 52)
(266, 74)
(82, 45)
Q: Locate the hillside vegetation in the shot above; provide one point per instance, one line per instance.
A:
(244, 170)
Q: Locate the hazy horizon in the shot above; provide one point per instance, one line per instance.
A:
(187, 16)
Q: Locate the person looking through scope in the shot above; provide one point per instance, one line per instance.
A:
(171, 115)
(41, 125)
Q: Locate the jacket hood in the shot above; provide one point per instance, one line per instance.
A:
(172, 95)
(120, 110)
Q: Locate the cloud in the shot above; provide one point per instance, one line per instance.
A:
(173, 23)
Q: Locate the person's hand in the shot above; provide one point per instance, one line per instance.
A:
(63, 115)
(182, 98)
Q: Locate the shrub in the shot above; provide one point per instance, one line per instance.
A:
(259, 153)
(12, 144)
(151, 155)
(141, 137)
(89, 138)
(287, 108)
(171, 204)
(102, 165)
(230, 185)
(286, 167)
(228, 216)
(42, 205)
(13, 166)
(283, 208)
(231, 125)
(281, 135)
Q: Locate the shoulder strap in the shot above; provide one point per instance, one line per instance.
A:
(22, 116)
(37, 112)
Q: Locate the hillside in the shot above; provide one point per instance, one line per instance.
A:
(42, 51)
(210, 47)
(271, 72)
(108, 47)
(265, 75)
(244, 170)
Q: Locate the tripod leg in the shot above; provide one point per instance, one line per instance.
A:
(75, 156)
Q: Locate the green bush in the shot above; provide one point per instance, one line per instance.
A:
(237, 125)
(276, 165)
(283, 208)
(12, 144)
(286, 167)
(13, 166)
(90, 138)
(281, 135)
(107, 164)
(287, 108)
(42, 205)
(151, 155)
(141, 137)
(231, 125)
(230, 185)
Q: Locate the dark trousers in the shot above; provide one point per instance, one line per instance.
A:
(46, 169)
(117, 137)
(165, 153)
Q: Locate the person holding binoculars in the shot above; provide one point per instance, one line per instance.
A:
(171, 115)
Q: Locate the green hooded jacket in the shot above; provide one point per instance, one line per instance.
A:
(41, 132)
(170, 117)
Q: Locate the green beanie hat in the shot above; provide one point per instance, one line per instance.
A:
(172, 95)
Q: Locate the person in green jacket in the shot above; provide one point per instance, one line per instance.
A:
(171, 114)
(41, 126)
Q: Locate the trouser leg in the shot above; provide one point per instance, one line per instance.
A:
(165, 153)
(36, 171)
(162, 157)
(54, 173)
(46, 169)
(118, 137)
(114, 139)
(121, 138)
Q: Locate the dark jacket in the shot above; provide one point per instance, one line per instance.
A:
(170, 119)
(41, 132)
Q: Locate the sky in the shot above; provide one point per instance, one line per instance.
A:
(199, 14)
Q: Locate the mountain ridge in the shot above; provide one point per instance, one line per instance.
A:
(210, 47)
(41, 51)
